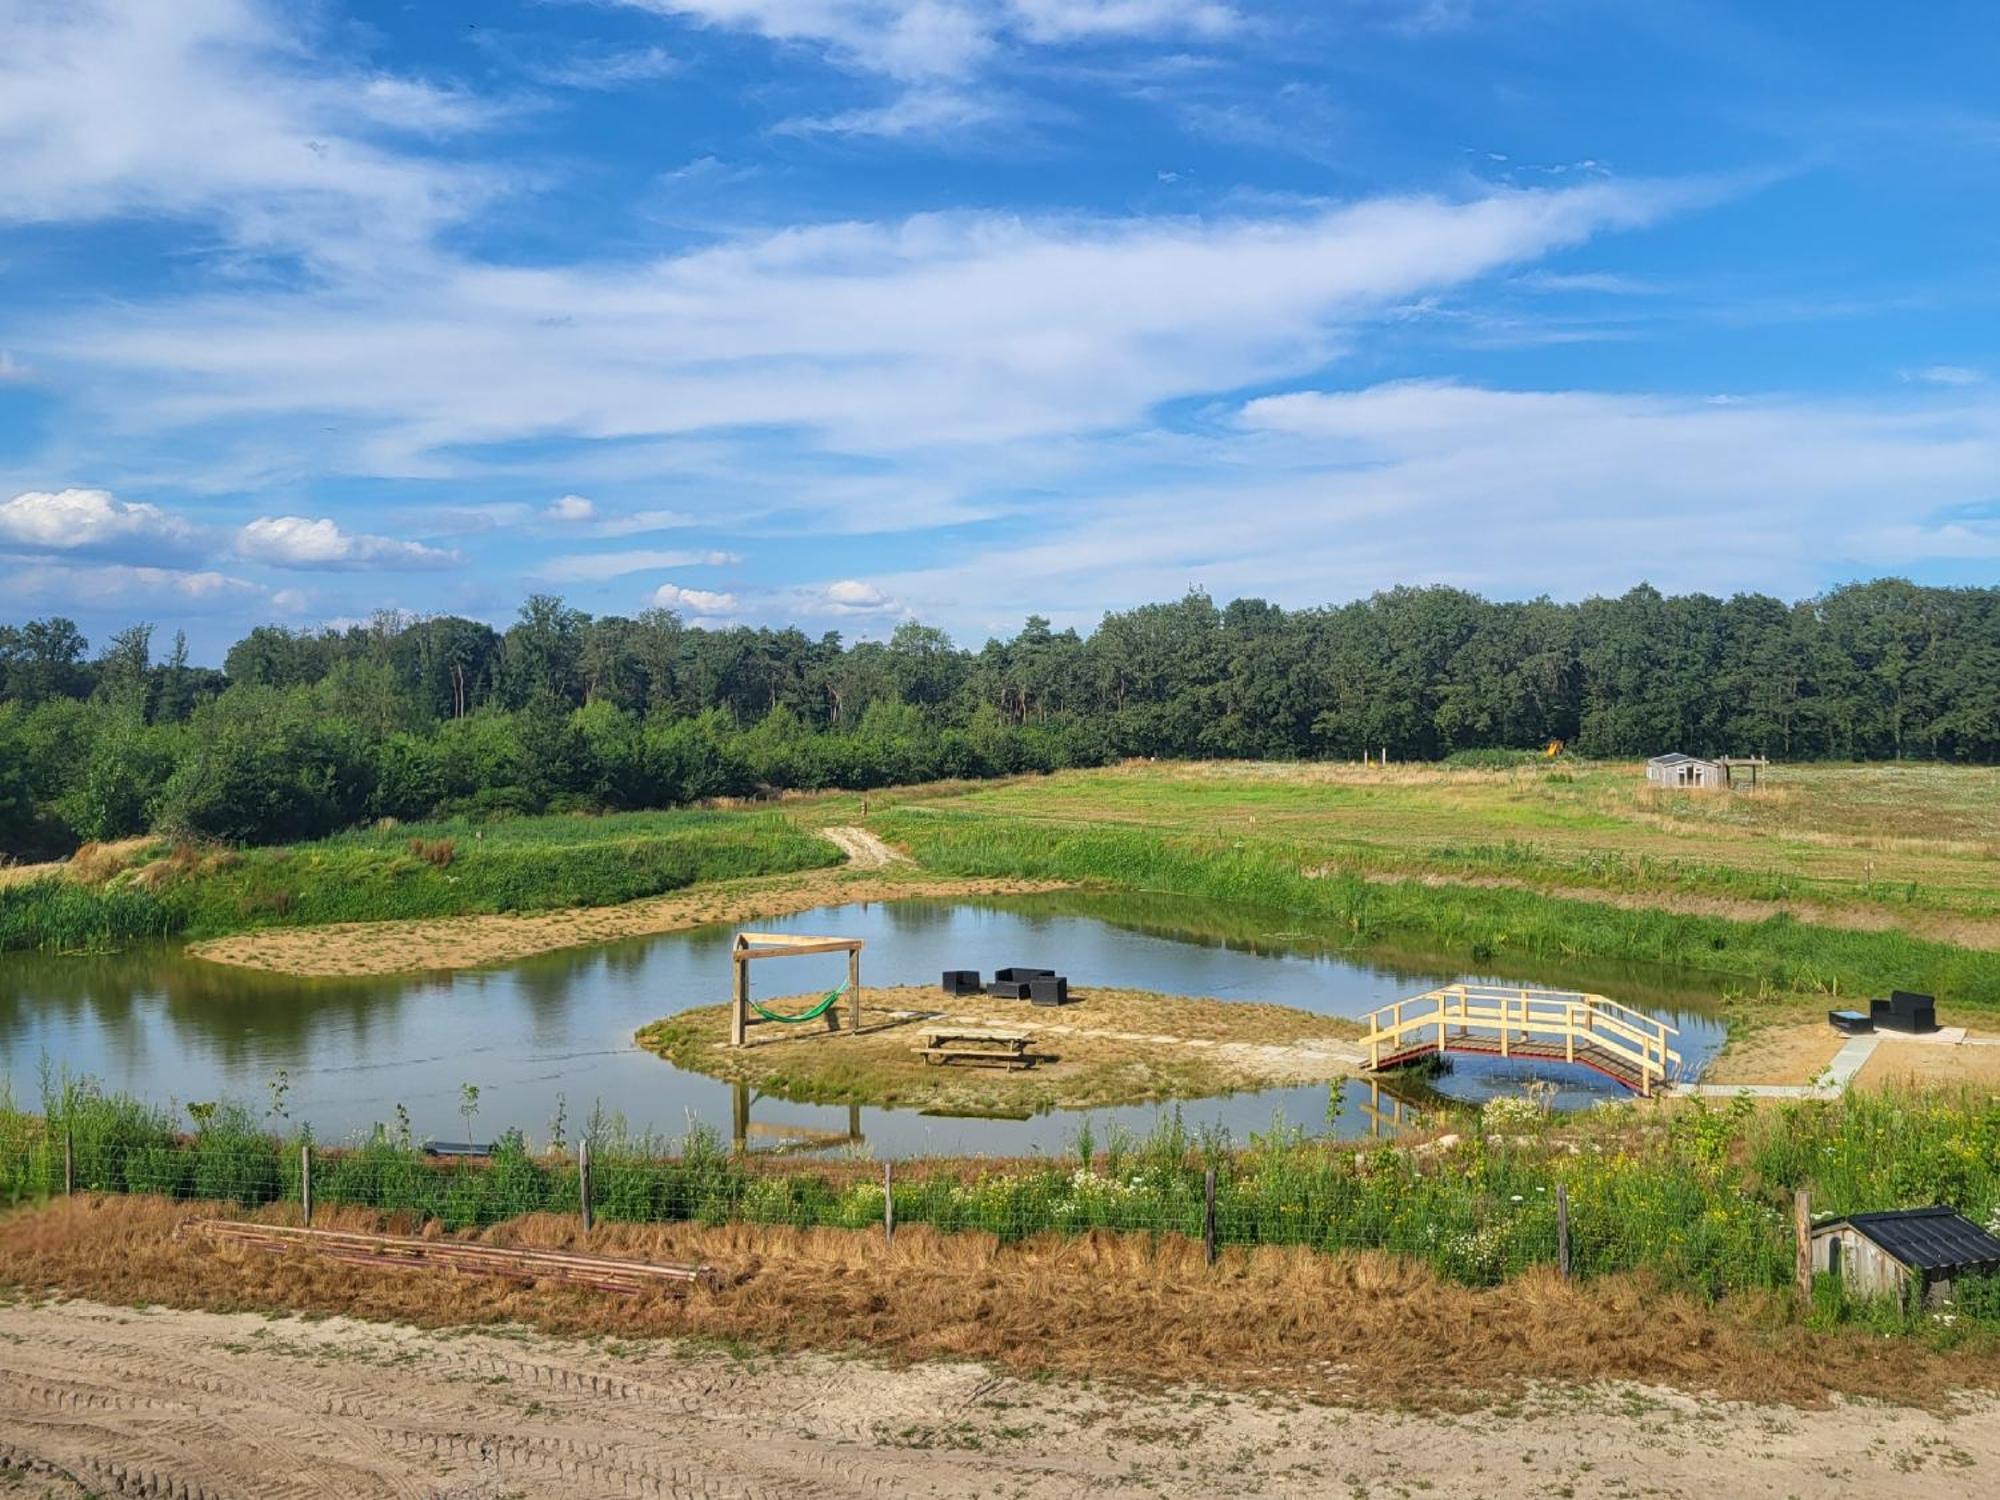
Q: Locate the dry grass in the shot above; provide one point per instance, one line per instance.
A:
(1109, 1046)
(1351, 1327)
(93, 864)
(353, 948)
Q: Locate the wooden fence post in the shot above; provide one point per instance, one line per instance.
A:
(888, 1204)
(1802, 1227)
(306, 1183)
(1562, 1230)
(69, 1161)
(583, 1180)
(1208, 1215)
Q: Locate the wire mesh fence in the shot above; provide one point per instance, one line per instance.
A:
(1477, 1216)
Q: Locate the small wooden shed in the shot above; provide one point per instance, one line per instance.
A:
(1676, 769)
(1879, 1254)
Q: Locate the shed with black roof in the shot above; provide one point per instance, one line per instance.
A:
(1883, 1254)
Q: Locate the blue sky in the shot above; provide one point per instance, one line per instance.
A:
(843, 312)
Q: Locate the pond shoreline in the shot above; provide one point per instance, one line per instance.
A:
(1108, 1047)
(446, 944)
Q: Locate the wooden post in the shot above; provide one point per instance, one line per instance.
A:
(1802, 1227)
(69, 1161)
(853, 989)
(1208, 1215)
(583, 1181)
(739, 1003)
(1562, 1230)
(306, 1183)
(888, 1203)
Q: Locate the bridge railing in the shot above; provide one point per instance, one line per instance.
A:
(1456, 1012)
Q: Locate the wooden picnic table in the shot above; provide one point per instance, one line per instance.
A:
(1006, 1049)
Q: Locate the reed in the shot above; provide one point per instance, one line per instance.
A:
(1776, 954)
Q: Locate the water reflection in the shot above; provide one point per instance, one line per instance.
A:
(172, 1029)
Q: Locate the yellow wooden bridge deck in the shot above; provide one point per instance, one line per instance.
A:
(1567, 1026)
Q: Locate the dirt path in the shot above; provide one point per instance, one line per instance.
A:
(864, 851)
(159, 1402)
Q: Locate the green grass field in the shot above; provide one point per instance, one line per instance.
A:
(1890, 869)
(409, 871)
(1919, 839)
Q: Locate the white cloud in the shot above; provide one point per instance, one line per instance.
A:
(571, 508)
(863, 338)
(11, 368)
(1954, 375)
(1074, 20)
(699, 602)
(641, 522)
(851, 596)
(131, 588)
(591, 566)
(321, 545)
(222, 109)
(914, 112)
(601, 68)
(91, 522)
(1326, 496)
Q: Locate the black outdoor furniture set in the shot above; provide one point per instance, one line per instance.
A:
(1038, 986)
(1904, 1011)
(1850, 1022)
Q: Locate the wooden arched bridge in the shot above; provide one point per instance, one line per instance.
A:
(1568, 1026)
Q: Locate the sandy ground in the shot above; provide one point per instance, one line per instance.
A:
(1786, 1052)
(1797, 1052)
(162, 1402)
(1975, 1061)
(1108, 1046)
(481, 942)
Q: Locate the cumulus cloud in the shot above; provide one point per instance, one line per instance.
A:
(851, 596)
(321, 545)
(91, 523)
(570, 508)
(591, 566)
(702, 603)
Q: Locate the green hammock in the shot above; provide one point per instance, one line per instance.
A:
(825, 1004)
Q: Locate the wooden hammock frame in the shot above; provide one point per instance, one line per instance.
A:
(751, 946)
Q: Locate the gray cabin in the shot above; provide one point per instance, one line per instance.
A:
(1880, 1254)
(1684, 770)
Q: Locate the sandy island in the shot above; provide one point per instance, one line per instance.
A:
(1108, 1046)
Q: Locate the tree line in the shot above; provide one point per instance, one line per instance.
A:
(303, 732)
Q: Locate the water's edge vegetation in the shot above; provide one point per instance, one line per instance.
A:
(1698, 1197)
(1778, 955)
(412, 871)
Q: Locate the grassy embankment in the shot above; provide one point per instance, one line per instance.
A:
(1697, 1198)
(411, 871)
(1602, 869)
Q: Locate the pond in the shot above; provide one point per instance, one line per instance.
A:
(166, 1027)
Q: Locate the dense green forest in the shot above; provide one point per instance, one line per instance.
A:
(302, 733)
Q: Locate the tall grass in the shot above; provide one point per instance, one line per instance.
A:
(428, 870)
(1700, 1197)
(1778, 953)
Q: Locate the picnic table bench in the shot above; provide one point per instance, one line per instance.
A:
(1006, 1049)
